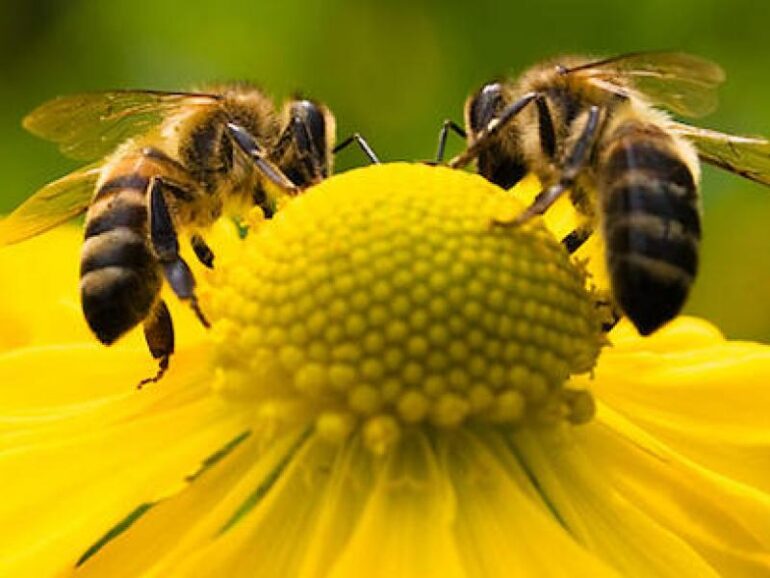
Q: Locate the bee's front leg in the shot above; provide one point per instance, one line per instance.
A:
(446, 126)
(492, 128)
(247, 143)
(362, 144)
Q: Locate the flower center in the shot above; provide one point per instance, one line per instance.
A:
(383, 298)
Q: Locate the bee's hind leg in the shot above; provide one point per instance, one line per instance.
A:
(609, 311)
(159, 334)
(166, 245)
(202, 251)
(577, 237)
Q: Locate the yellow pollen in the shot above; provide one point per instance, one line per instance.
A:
(383, 299)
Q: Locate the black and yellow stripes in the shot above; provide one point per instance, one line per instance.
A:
(120, 278)
(651, 224)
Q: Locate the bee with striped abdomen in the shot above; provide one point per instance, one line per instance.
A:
(168, 162)
(591, 127)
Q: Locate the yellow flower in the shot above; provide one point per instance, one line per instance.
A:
(391, 388)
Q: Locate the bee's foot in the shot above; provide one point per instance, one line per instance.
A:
(162, 367)
(516, 221)
(198, 313)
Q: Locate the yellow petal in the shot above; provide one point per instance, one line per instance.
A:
(70, 475)
(694, 409)
(406, 528)
(177, 529)
(39, 290)
(705, 397)
(503, 527)
(727, 522)
(684, 333)
(603, 517)
(275, 528)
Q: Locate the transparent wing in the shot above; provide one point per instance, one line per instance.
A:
(748, 157)
(90, 125)
(55, 203)
(683, 83)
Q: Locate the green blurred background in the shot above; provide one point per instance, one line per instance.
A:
(393, 71)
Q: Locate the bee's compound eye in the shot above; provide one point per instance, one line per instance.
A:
(485, 106)
(311, 115)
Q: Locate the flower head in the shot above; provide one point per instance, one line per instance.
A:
(391, 388)
(383, 299)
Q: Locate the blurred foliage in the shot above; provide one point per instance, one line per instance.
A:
(393, 71)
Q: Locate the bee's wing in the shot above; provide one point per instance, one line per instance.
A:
(683, 83)
(50, 206)
(88, 126)
(748, 157)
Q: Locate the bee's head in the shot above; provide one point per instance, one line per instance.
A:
(312, 129)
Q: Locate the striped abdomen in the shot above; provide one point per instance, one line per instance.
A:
(651, 223)
(120, 275)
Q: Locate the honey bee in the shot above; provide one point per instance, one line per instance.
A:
(593, 128)
(168, 162)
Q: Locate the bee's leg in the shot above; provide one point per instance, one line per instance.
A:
(202, 251)
(546, 131)
(446, 126)
(491, 129)
(570, 170)
(615, 317)
(249, 145)
(159, 334)
(362, 144)
(609, 311)
(574, 240)
(166, 245)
